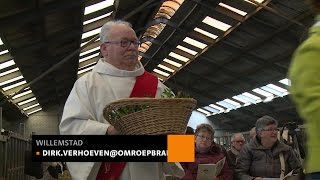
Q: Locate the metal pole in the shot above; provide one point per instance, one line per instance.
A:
(0, 120)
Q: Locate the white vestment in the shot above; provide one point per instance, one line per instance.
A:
(83, 115)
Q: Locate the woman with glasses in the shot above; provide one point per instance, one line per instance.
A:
(265, 156)
(207, 152)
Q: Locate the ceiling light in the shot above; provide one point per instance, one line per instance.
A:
(285, 82)
(216, 23)
(34, 111)
(194, 43)
(172, 62)
(206, 33)
(22, 94)
(161, 72)
(32, 106)
(165, 68)
(26, 101)
(179, 57)
(242, 13)
(4, 52)
(91, 33)
(98, 6)
(14, 85)
(187, 50)
(204, 111)
(97, 18)
(9, 71)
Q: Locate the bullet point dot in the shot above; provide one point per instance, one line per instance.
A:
(38, 153)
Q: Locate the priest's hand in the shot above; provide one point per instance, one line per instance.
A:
(112, 131)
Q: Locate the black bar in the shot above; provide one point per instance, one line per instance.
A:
(99, 148)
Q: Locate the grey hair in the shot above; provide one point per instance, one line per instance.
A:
(104, 33)
(263, 122)
(234, 135)
(205, 127)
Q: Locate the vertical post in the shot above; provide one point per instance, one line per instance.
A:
(0, 120)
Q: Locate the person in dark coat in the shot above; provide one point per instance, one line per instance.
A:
(261, 157)
(207, 152)
(237, 142)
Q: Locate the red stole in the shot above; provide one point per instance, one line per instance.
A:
(145, 86)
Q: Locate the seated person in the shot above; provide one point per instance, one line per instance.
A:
(207, 152)
(261, 157)
(237, 142)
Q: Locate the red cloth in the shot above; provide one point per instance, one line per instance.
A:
(145, 86)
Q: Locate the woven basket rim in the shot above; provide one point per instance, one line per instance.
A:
(177, 111)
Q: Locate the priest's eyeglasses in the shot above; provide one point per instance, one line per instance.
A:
(125, 43)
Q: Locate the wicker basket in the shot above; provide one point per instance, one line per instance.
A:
(161, 115)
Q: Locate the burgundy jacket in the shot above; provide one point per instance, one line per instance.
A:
(213, 156)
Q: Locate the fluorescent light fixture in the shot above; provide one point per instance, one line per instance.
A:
(239, 98)
(194, 43)
(165, 68)
(96, 18)
(82, 44)
(89, 57)
(221, 110)
(206, 33)
(247, 98)
(256, 98)
(285, 82)
(14, 85)
(268, 99)
(32, 106)
(161, 72)
(269, 96)
(204, 111)
(172, 62)
(7, 64)
(179, 57)
(4, 52)
(259, 1)
(37, 110)
(160, 79)
(242, 13)
(9, 71)
(236, 104)
(98, 6)
(11, 80)
(89, 51)
(216, 23)
(187, 50)
(87, 69)
(271, 90)
(22, 94)
(26, 101)
(91, 33)
(211, 109)
(226, 105)
(277, 88)
(262, 92)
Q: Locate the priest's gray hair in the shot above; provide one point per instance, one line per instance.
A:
(104, 33)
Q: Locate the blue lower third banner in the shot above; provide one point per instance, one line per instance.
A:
(97, 148)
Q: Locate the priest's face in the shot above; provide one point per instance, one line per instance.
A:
(121, 49)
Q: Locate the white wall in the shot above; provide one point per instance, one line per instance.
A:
(199, 118)
(44, 122)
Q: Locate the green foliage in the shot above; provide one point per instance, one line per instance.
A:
(120, 112)
(167, 93)
(123, 111)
